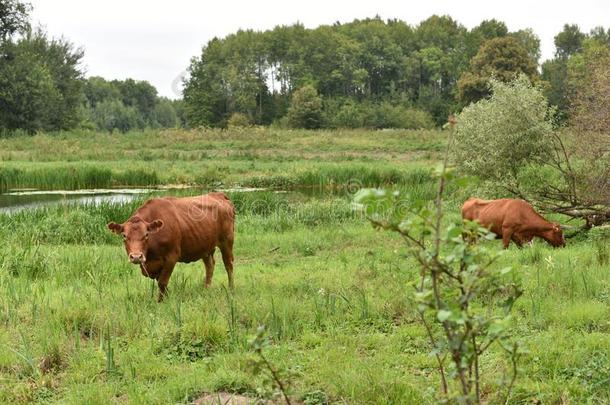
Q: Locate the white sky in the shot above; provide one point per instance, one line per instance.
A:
(155, 40)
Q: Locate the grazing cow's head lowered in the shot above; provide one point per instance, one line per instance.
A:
(555, 236)
(135, 233)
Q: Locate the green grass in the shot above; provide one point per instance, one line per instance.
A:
(253, 157)
(81, 325)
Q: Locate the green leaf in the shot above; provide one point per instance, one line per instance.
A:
(443, 315)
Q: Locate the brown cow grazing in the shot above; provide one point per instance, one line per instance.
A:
(512, 219)
(168, 230)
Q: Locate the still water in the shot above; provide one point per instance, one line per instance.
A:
(25, 200)
(19, 200)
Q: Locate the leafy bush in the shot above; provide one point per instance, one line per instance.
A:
(349, 115)
(305, 109)
(239, 120)
(497, 138)
(376, 115)
(453, 274)
(386, 115)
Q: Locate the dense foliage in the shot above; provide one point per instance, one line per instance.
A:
(356, 66)
(127, 104)
(370, 73)
(497, 138)
(569, 44)
(13, 18)
(42, 85)
(499, 58)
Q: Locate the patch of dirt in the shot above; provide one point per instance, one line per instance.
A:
(227, 398)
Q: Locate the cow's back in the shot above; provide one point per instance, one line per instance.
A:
(491, 214)
(496, 214)
(205, 222)
(472, 208)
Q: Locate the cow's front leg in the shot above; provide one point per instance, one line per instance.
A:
(163, 279)
(507, 235)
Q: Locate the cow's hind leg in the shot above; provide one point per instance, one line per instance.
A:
(226, 248)
(518, 240)
(209, 263)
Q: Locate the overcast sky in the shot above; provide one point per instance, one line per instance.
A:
(155, 40)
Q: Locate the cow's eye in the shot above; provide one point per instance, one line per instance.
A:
(124, 236)
(146, 236)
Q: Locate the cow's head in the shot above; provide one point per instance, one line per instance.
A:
(555, 236)
(135, 233)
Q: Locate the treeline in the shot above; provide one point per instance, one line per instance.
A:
(367, 72)
(128, 104)
(42, 85)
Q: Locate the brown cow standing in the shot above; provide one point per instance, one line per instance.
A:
(168, 230)
(512, 219)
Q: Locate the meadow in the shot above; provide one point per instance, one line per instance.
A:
(81, 325)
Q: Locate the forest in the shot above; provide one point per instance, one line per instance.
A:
(369, 73)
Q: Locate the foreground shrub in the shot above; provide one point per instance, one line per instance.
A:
(457, 280)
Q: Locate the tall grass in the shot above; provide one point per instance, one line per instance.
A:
(79, 324)
(73, 178)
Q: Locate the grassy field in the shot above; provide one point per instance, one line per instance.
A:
(253, 157)
(81, 325)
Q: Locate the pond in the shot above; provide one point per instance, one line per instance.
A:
(19, 200)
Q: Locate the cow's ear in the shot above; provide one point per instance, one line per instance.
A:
(155, 226)
(116, 228)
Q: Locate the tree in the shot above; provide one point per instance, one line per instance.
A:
(509, 142)
(41, 83)
(600, 35)
(98, 89)
(501, 58)
(14, 18)
(568, 41)
(499, 137)
(305, 109)
(555, 73)
(589, 165)
(165, 115)
(26, 91)
(110, 115)
(205, 91)
(138, 94)
(489, 29)
(530, 41)
(127, 104)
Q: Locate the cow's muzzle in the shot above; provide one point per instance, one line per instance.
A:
(137, 258)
